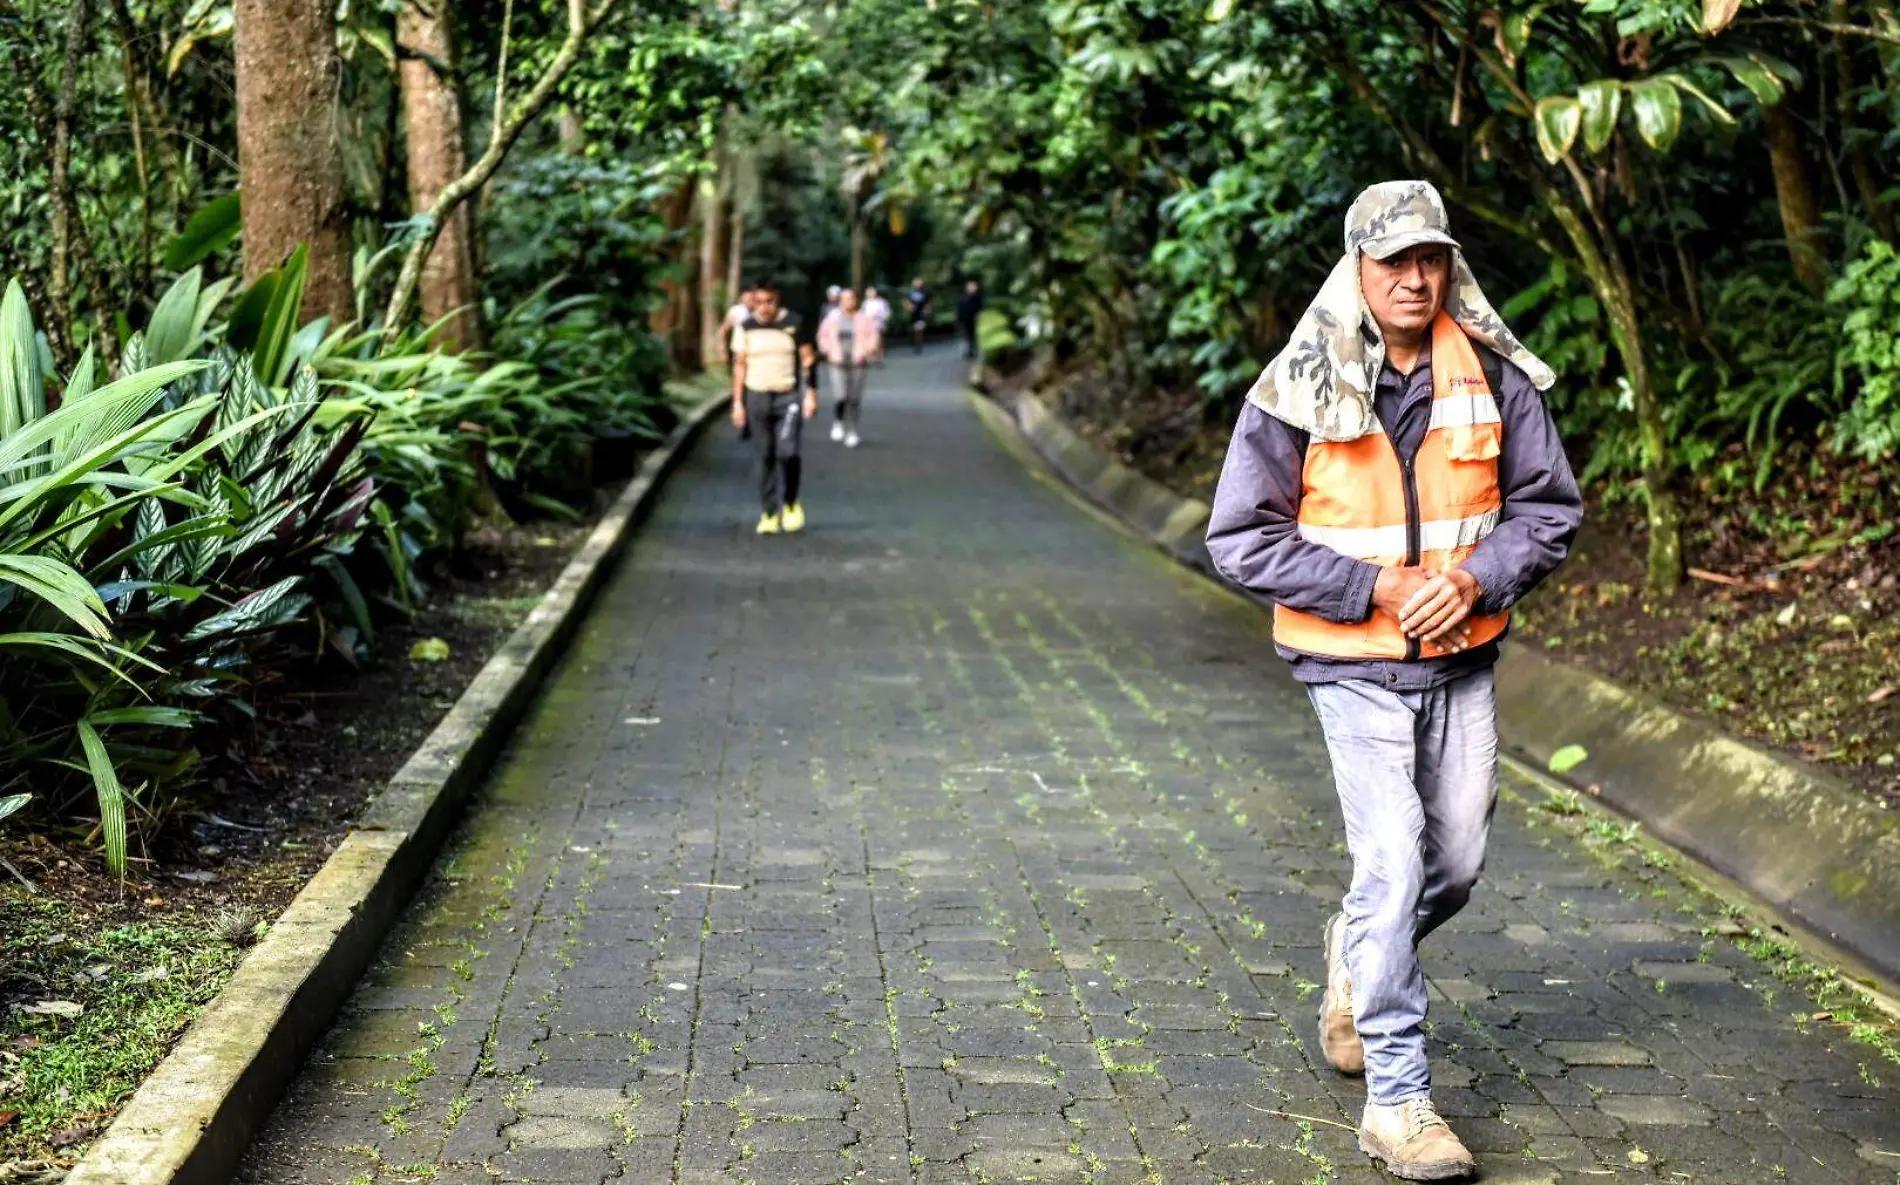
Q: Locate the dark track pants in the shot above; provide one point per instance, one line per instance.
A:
(777, 420)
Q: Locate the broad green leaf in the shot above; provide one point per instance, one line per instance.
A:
(1720, 112)
(1602, 102)
(265, 609)
(84, 649)
(80, 384)
(271, 353)
(12, 804)
(22, 389)
(208, 231)
(107, 411)
(105, 782)
(247, 316)
(59, 586)
(1763, 83)
(168, 335)
(1658, 107)
(1568, 758)
(1558, 120)
(150, 716)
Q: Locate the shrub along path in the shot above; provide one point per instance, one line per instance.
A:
(963, 839)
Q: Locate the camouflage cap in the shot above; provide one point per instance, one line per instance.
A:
(1389, 217)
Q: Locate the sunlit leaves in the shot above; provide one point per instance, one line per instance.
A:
(1657, 105)
(1601, 102)
(1558, 121)
(1716, 14)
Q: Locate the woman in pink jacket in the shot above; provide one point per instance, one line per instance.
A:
(849, 338)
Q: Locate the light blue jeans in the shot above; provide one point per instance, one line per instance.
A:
(1417, 774)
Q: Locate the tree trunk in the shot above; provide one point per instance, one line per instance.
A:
(432, 119)
(573, 135)
(1794, 191)
(290, 167)
(1860, 162)
(1602, 263)
(673, 321)
(735, 257)
(712, 267)
(65, 208)
(857, 254)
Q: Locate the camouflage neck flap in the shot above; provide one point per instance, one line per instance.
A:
(1322, 382)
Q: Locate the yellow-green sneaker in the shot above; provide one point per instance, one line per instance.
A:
(768, 524)
(794, 518)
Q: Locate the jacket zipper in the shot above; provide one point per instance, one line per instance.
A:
(1413, 532)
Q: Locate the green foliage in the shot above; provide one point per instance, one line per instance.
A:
(163, 534)
(1868, 364)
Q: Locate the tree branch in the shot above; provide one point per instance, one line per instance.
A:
(1824, 27)
(582, 21)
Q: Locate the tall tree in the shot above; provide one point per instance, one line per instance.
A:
(712, 266)
(289, 161)
(432, 119)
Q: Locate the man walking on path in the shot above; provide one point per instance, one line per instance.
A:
(848, 339)
(1395, 485)
(771, 359)
(969, 308)
(917, 303)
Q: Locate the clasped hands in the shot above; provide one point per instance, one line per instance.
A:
(1430, 605)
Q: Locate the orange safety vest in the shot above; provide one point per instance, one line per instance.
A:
(1359, 500)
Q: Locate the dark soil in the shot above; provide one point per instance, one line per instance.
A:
(274, 802)
(1787, 633)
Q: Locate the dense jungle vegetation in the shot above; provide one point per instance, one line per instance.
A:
(297, 297)
(300, 291)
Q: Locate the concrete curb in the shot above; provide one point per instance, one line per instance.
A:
(190, 1122)
(1807, 845)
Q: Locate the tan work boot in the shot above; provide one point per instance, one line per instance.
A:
(1414, 1143)
(1338, 1039)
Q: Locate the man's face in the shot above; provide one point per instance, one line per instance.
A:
(848, 301)
(1406, 291)
(765, 305)
(870, 294)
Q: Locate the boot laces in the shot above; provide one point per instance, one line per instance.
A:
(1420, 1117)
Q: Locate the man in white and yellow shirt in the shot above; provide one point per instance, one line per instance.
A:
(772, 360)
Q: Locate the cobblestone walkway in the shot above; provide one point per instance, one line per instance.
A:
(963, 839)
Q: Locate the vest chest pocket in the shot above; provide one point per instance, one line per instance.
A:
(1470, 470)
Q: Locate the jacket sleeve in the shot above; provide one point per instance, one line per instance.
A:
(828, 347)
(1542, 505)
(1253, 533)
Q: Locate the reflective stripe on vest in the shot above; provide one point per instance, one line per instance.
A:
(1354, 502)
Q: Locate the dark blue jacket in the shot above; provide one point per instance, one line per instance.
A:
(1254, 539)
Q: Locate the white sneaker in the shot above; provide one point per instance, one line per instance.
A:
(851, 440)
(837, 430)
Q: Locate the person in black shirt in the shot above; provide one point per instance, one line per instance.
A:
(969, 307)
(917, 300)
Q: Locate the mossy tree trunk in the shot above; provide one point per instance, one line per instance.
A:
(289, 163)
(432, 121)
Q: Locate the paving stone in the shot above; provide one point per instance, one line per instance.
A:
(1654, 1110)
(977, 767)
(1596, 1053)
